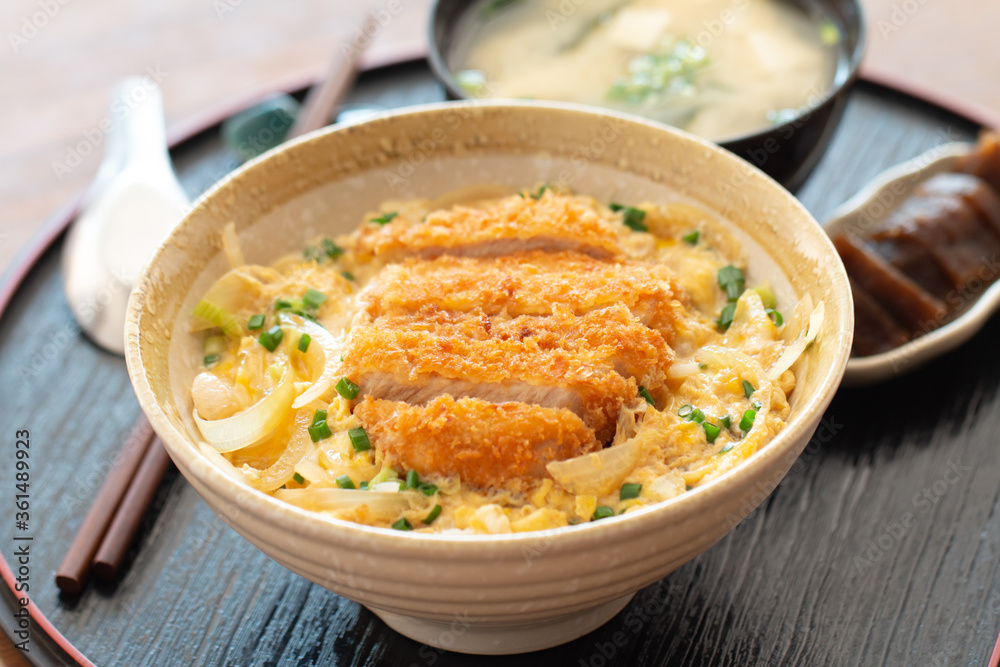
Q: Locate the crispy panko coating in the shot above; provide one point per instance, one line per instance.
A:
(529, 283)
(544, 361)
(485, 444)
(552, 223)
(609, 335)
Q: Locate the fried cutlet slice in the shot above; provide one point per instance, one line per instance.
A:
(551, 223)
(483, 443)
(532, 283)
(565, 362)
(610, 335)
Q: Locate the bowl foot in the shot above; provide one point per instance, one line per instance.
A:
(466, 635)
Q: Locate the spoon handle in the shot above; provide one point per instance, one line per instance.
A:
(137, 136)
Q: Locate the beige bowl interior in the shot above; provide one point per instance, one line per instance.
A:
(322, 184)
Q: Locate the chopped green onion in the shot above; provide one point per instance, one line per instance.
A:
(428, 489)
(711, 432)
(333, 251)
(766, 295)
(359, 438)
(216, 344)
(313, 298)
(726, 317)
(732, 281)
(348, 275)
(691, 237)
(345, 482)
(702, 366)
(272, 338)
(646, 395)
(434, 514)
(685, 410)
(539, 193)
(748, 389)
(688, 487)
(385, 218)
(602, 512)
(319, 416)
(319, 431)
(727, 448)
(304, 342)
(829, 33)
(756, 404)
(615, 208)
(654, 79)
(747, 422)
(633, 219)
(299, 479)
(219, 317)
(775, 317)
(363, 486)
(256, 322)
(629, 491)
(211, 359)
(347, 389)
(402, 524)
(283, 304)
(412, 480)
(384, 475)
(492, 7)
(726, 422)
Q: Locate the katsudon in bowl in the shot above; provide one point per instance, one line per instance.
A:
(441, 338)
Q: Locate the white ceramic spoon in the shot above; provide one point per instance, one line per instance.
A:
(134, 201)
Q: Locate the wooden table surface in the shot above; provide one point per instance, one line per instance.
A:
(61, 59)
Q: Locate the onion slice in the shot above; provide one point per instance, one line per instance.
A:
(282, 470)
(344, 499)
(251, 425)
(799, 345)
(678, 371)
(231, 245)
(599, 473)
(331, 358)
(727, 357)
(236, 290)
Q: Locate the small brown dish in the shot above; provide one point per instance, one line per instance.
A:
(920, 245)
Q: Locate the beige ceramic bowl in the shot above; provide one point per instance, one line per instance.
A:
(482, 594)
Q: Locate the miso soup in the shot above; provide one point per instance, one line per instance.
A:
(717, 68)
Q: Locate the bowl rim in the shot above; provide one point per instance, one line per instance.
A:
(682, 507)
(855, 56)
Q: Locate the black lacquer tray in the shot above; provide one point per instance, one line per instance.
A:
(882, 546)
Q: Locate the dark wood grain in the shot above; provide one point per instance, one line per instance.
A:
(882, 546)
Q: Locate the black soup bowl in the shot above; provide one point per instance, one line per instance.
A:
(787, 151)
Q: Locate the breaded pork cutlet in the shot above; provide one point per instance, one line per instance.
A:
(550, 223)
(485, 444)
(610, 335)
(530, 283)
(414, 360)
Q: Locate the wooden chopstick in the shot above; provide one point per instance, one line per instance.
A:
(76, 566)
(323, 98)
(111, 523)
(133, 507)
